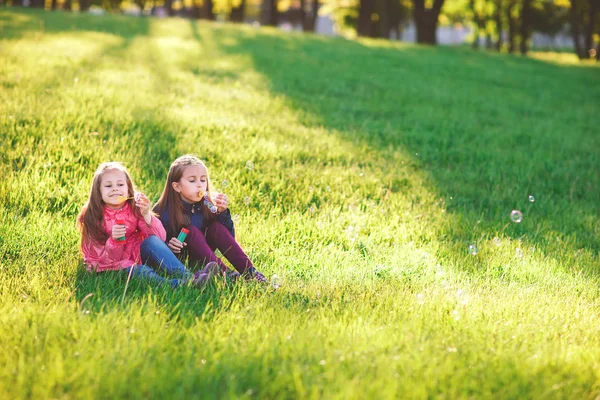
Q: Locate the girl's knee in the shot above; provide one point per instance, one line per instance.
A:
(151, 241)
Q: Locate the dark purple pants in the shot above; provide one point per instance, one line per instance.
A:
(201, 247)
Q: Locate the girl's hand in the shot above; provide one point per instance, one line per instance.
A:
(143, 203)
(118, 231)
(222, 202)
(175, 245)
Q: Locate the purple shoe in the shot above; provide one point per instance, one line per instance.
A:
(252, 273)
(202, 277)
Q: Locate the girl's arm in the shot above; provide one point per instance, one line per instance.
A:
(155, 228)
(225, 219)
(100, 257)
(149, 225)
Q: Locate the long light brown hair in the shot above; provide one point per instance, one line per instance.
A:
(170, 201)
(91, 217)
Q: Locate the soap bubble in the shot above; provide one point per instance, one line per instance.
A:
(247, 200)
(472, 249)
(519, 252)
(516, 216)
(276, 282)
(250, 165)
(531, 199)
(236, 218)
(224, 184)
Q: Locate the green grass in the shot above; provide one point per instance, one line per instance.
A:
(406, 154)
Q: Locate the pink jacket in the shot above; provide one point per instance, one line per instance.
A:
(114, 254)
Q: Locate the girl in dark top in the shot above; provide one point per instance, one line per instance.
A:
(186, 202)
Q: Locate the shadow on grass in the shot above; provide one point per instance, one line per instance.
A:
(486, 130)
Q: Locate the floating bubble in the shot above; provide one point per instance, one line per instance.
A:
(519, 252)
(236, 218)
(276, 281)
(311, 209)
(516, 216)
(224, 184)
(531, 199)
(497, 241)
(247, 200)
(327, 188)
(420, 298)
(310, 189)
(472, 249)
(250, 165)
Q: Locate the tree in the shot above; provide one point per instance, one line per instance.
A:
(426, 20)
(498, 21)
(366, 12)
(169, 7)
(525, 26)
(584, 21)
(309, 20)
(270, 13)
(237, 12)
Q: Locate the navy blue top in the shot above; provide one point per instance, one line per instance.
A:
(194, 210)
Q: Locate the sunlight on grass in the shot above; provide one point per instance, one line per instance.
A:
(561, 58)
(376, 166)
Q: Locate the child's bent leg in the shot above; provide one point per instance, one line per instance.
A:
(218, 236)
(156, 254)
(199, 250)
(147, 273)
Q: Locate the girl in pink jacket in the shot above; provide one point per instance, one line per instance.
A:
(120, 233)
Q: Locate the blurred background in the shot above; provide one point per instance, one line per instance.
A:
(514, 26)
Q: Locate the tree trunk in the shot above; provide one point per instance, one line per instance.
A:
(365, 25)
(53, 4)
(197, 10)
(270, 14)
(310, 21)
(512, 28)
(237, 13)
(67, 5)
(208, 10)
(17, 3)
(169, 6)
(302, 14)
(498, 18)
(426, 20)
(475, 44)
(525, 26)
(575, 25)
(589, 28)
(37, 3)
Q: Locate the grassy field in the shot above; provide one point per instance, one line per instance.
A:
(376, 166)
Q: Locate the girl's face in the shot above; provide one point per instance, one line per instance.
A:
(193, 183)
(113, 184)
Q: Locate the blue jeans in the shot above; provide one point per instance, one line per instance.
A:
(156, 256)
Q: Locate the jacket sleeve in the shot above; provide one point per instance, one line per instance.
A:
(225, 219)
(164, 221)
(154, 229)
(101, 257)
